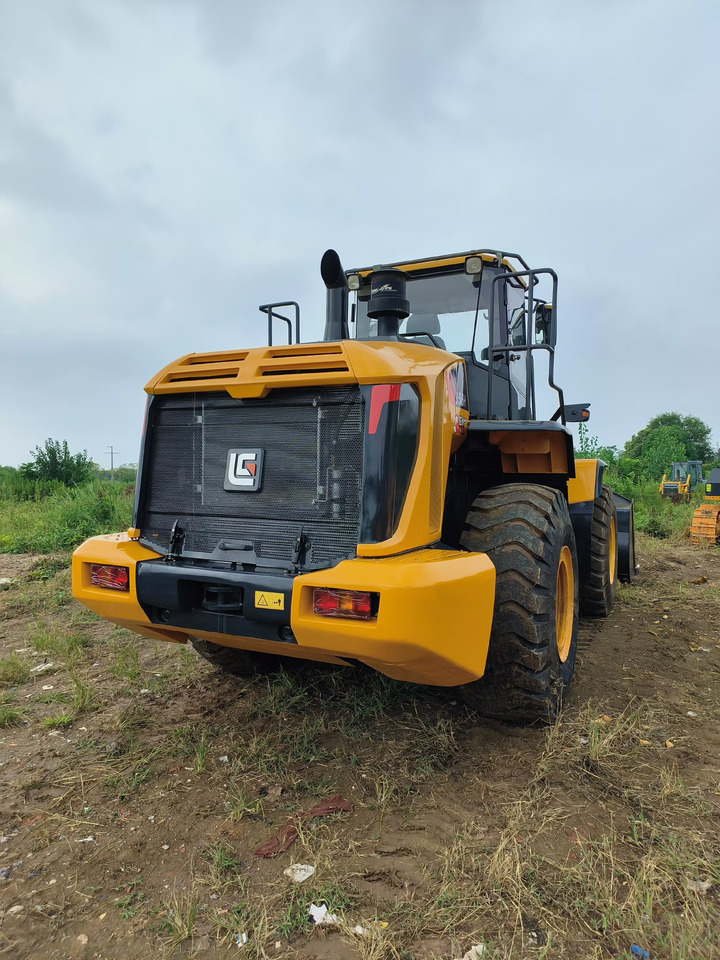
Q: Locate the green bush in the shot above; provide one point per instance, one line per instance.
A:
(53, 461)
(15, 486)
(65, 518)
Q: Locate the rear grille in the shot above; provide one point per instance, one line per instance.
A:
(312, 443)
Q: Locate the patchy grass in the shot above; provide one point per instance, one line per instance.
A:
(52, 641)
(125, 661)
(224, 864)
(14, 670)
(239, 805)
(11, 715)
(179, 916)
(60, 721)
(576, 840)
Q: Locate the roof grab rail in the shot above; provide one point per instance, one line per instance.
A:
(270, 310)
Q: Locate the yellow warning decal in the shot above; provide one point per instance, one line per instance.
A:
(272, 601)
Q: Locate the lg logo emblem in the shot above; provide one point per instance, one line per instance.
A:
(244, 470)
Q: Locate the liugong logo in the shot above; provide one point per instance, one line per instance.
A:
(244, 470)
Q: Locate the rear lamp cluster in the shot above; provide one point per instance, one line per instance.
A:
(109, 576)
(350, 604)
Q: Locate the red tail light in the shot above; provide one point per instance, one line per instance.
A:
(352, 604)
(108, 576)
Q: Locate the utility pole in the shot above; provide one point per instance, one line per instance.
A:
(112, 462)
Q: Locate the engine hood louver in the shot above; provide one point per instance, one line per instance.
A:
(248, 373)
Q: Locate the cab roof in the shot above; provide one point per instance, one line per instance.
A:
(511, 261)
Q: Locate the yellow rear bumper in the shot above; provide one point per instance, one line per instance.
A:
(433, 622)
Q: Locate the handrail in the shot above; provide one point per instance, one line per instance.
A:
(269, 309)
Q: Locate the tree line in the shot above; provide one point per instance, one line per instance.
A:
(647, 455)
(53, 467)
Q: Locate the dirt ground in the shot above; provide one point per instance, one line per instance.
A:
(136, 782)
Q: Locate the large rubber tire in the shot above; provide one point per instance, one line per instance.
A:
(240, 663)
(597, 594)
(526, 531)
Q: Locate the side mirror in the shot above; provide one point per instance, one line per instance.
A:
(577, 412)
(545, 328)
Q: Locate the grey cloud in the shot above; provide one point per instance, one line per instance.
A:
(171, 164)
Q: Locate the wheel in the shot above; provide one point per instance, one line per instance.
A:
(597, 594)
(526, 531)
(240, 663)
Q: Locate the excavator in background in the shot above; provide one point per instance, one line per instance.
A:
(685, 475)
(705, 526)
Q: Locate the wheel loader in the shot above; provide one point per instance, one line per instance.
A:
(389, 495)
(705, 526)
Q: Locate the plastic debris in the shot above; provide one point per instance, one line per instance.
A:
(287, 834)
(86, 840)
(699, 886)
(691, 713)
(374, 926)
(241, 939)
(225, 759)
(82, 939)
(299, 872)
(48, 686)
(474, 953)
(669, 744)
(18, 908)
(41, 667)
(320, 916)
(639, 952)
(4, 873)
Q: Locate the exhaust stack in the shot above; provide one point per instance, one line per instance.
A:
(336, 310)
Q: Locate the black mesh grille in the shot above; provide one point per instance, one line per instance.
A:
(312, 443)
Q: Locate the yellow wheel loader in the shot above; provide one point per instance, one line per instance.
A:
(388, 495)
(705, 526)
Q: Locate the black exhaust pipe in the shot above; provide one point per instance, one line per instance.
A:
(336, 309)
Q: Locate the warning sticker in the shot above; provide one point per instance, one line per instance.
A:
(271, 601)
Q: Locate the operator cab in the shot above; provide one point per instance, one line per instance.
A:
(683, 469)
(473, 305)
(486, 307)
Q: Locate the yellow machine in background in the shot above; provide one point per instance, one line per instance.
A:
(705, 526)
(685, 475)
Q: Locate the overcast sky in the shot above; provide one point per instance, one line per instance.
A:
(167, 165)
